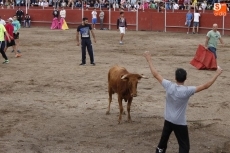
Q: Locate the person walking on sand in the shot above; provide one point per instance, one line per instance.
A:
(177, 96)
(10, 29)
(211, 39)
(17, 26)
(3, 32)
(85, 30)
(122, 26)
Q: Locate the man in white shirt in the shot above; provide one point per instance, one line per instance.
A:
(2, 21)
(196, 22)
(175, 6)
(94, 18)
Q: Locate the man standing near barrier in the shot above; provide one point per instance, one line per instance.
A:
(101, 15)
(189, 18)
(94, 18)
(20, 15)
(196, 22)
(84, 30)
(177, 96)
(211, 39)
(122, 25)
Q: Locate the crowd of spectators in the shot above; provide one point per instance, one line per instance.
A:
(131, 5)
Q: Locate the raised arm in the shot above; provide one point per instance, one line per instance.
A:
(156, 75)
(210, 82)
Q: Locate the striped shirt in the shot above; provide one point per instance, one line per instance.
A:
(177, 97)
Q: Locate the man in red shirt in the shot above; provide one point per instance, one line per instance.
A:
(10, 29)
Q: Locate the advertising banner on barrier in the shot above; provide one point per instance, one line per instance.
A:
(220, 9)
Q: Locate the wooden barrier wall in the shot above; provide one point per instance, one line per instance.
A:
(149, 20)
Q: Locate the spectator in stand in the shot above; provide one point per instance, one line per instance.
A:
(27, 20)
(152, 5)
(181, 4)
(189, 18)
(94, 18)
(20, 15)
(167, 5)
(91, 4)
(196, 21)
(204, 5)
(175, 6)
(96, 4)
(187, 4)
(70, 3)
(2, 21)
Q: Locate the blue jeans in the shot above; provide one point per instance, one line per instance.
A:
(213, 50)
(27, 22)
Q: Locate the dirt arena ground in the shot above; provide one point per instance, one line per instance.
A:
(50, 104)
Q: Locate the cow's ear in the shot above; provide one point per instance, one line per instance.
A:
(124, 77)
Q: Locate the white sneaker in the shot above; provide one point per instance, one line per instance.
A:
(187, 32)
(94, 28)
(121, 42)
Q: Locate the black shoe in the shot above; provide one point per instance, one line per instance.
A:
(93, 64)
(19, 51)
(82, 64)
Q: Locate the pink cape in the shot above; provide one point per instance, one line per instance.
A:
(55, 24)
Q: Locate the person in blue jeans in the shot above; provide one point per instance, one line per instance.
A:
(211, 39)
(27, 20)
(177, 96)
(84, 29)
(189, 18)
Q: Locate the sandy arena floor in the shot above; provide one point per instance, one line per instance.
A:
(50, 104)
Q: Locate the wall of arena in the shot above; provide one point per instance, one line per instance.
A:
(149, 20)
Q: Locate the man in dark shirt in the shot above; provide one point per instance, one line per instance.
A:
(84, 29)
(20, 15)
(55, 13)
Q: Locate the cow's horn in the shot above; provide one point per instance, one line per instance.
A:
(124, 76)
(142, 75)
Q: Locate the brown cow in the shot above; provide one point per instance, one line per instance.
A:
(123, 83)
